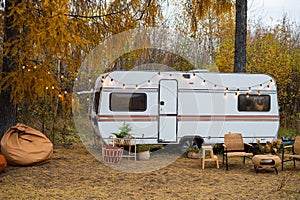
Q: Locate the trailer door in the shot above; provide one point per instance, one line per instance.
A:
(167, 128)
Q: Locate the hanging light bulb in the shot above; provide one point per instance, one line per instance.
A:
(258, 93)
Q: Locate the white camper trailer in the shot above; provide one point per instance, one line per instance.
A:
(173, 107)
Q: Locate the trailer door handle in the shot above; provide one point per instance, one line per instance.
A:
(162, 103)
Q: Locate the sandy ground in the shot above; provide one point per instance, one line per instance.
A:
(74, 173)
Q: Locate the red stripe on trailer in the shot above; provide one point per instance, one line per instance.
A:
(191, 118)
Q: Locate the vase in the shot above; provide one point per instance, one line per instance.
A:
(192, 154)
(144, 155)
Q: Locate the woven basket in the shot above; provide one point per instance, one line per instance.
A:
(111, 154)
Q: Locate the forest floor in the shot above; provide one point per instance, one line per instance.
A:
(74, 173)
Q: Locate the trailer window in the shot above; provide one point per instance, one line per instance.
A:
(136, 102)
(96, 102)
(253, 102)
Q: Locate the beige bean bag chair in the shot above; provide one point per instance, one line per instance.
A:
(23, 145)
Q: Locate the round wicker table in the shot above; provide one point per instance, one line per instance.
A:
(266, 161)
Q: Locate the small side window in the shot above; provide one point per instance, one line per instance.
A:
(96, 102)
(134, 102)
(254, 103)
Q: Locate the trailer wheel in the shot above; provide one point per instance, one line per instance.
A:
(191, 141)
(185, 143)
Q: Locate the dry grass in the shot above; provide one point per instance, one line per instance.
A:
(75, 174)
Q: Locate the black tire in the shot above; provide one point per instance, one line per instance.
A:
(186, 143)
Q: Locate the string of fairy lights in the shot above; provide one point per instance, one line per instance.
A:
(52, 87)
(192, 79)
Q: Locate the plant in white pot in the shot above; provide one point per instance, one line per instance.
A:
(143, 151)
(192, 152)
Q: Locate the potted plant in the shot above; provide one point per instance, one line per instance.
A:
(192, 152)
(125, 130)
(143, 151)
(269, 147)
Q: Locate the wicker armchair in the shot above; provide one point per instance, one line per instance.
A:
(234, 146)
(295, 152)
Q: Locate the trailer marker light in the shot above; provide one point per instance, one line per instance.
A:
(187, 76)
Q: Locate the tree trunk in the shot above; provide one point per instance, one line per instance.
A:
(7, 108)
(240, 36)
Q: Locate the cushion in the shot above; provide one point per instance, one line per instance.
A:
(23, 145)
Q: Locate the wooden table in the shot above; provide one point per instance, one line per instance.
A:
(130, 142)
(266, 161)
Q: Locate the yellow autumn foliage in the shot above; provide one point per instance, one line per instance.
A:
(53, 37)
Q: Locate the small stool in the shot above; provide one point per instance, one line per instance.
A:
(211, 157)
